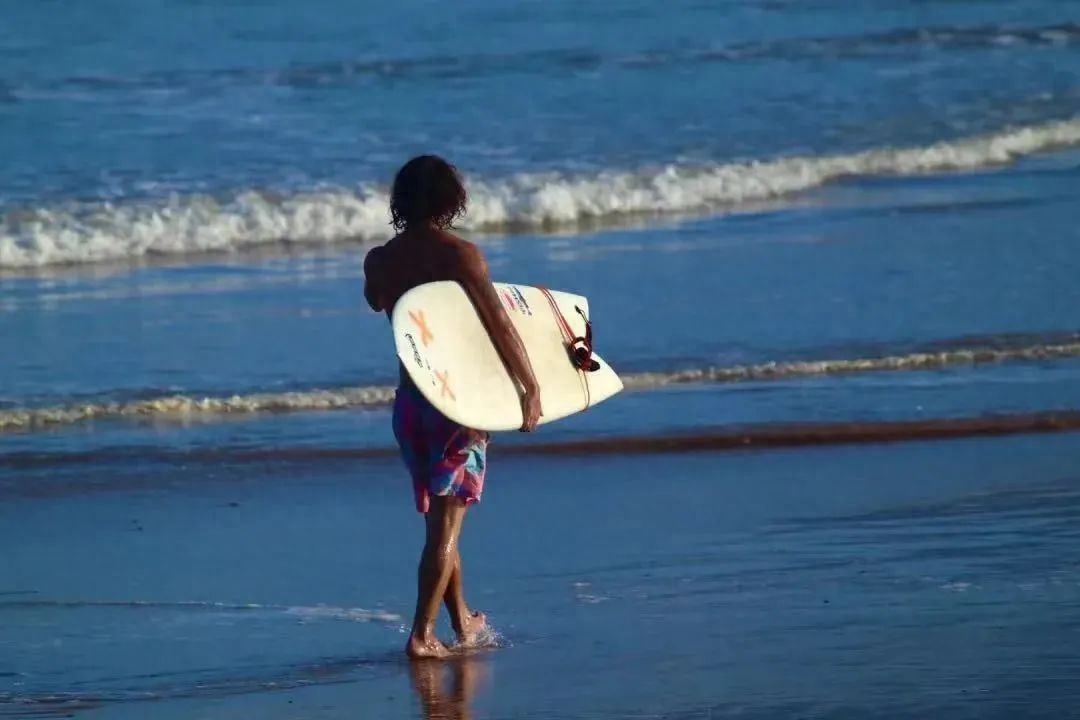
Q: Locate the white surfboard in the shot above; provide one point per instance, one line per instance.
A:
(449, 355)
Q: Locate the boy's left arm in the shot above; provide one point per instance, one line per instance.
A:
(373, 279)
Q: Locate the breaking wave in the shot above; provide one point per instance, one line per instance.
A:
(90, 232)
(180, 406)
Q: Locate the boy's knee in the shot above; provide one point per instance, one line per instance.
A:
(439, 552)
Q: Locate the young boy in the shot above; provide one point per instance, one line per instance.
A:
(446, 461)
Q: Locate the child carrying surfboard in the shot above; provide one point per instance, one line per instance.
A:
(447, 461)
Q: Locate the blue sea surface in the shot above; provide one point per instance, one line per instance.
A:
(825, 216)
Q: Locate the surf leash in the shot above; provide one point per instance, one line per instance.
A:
(579, 348)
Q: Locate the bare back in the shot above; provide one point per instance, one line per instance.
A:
(414, 258)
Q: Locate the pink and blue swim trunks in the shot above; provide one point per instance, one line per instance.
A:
(445, 459)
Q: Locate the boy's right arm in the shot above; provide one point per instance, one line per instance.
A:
(504, 335)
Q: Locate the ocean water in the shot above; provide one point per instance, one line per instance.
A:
(848, 225)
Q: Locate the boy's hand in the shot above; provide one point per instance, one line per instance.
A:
(531, 410)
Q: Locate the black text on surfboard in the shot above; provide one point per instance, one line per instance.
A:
(415, 351)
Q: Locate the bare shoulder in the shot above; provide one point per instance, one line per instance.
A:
(467, 256)
(381, 258)
(373, 258)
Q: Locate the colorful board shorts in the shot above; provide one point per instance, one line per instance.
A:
(444, 458)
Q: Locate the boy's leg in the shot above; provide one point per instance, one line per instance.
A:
(461, 472)
(466, 623)
(437, 564)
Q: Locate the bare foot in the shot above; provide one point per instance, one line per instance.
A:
(431, 648)
(473, 626)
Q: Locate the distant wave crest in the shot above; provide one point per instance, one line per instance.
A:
(304, 613)
(812, 368)
(352, 71)
(174, 406)
(100, 231)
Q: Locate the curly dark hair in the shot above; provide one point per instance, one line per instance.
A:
(427, 189)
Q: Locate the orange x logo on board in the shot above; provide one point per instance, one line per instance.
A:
(444, 384)
(421, 324)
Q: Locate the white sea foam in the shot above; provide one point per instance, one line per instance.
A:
(96, 232)
(182, 406)
(327, 612)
